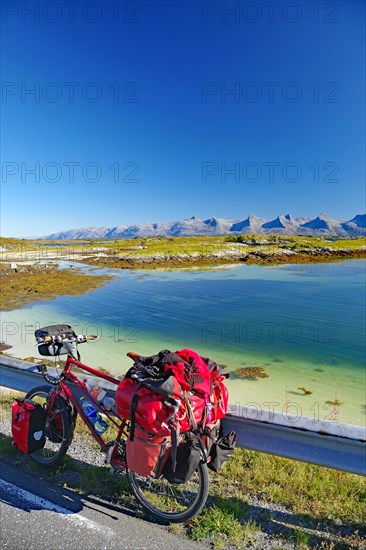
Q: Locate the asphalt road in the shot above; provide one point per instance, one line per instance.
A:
(35, 515)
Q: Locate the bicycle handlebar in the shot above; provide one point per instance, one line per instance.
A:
(80, 339)
(67, 343)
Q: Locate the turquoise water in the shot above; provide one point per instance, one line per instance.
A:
(305, 324)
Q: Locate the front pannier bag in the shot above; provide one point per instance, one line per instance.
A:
(28, 426)
(54, 348)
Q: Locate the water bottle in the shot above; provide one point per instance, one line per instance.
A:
(100, 395)
(92, 414)
(109, 402)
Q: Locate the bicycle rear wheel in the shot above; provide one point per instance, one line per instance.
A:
(169, 502)
(59, 429)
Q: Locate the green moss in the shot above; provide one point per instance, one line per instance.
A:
(39, 283)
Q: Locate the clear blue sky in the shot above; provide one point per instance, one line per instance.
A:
(297, 145)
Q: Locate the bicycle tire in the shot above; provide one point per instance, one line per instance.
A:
(193, 508)
(59, 428)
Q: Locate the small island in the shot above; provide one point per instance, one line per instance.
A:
(30, 272)
(181, 252)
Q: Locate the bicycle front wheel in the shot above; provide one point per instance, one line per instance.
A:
(58, 428)
(169, 502)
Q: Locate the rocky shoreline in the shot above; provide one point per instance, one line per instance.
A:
(317, 255)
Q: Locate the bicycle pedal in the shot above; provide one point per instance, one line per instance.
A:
(107, 446)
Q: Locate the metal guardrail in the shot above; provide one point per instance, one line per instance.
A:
(331, 444)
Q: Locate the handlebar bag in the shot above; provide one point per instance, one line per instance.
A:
(51, 350)
(55, 348)
(28, 426)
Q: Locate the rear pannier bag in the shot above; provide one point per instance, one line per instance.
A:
(188, 459)
(147, 453)
(210, 435)
(221, 451)
(52, 349)
(28, 426)
(169, 394)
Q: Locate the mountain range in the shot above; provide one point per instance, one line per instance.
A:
(321, 225)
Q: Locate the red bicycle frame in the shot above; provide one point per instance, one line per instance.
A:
(70, 384)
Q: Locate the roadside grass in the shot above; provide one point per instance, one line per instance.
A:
(74, 474)
(329, 501)
(7, 396)
(6, 448)
(71, 474)
(313, 491)
(300, 538)
(225, 521)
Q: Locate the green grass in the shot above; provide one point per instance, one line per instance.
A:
(97, 480)
(317, 497)
(306, 489)
(300, 538)
(178, 252)
(203, 246)
(220, 523)
(211, 244)
(6, 448)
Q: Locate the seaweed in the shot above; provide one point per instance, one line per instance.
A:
(305, 391)
(252, 373)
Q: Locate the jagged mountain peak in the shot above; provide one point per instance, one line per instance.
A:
(324, 216)
(282, 224)
(211, 221)
(359, 220)
(290, 218)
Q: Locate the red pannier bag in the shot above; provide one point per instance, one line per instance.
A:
(200, 378)
(147, 453)
(220, 394)
(208, 384)
(153, 411)
(28, 426)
